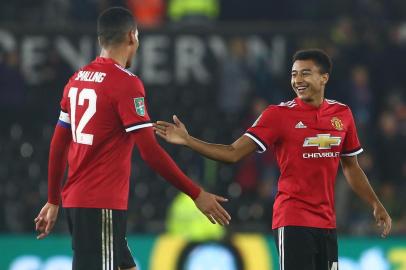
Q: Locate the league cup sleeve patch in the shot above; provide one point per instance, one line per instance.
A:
(64, 119)
(133, 112)
(139, 106)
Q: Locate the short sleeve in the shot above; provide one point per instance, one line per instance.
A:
(351, 145)
(132, 108)
(265, 130)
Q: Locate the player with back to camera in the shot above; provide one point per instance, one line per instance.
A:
(310, 135)
(103, 115)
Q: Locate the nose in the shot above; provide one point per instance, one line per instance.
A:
(298, 78)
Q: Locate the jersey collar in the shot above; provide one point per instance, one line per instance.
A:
(307, 106)
(105, 60)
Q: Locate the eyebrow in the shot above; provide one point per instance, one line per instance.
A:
(306, 69)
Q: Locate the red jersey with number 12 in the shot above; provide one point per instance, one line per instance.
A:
(101, 103)
(308, 143)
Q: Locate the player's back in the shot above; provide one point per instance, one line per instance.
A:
(99, 101)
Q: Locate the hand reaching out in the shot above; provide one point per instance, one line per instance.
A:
(175, 133)
(46, 219)
(209, 205)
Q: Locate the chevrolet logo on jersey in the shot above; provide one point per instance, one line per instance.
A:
(322, 141)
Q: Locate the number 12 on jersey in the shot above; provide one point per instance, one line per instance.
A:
(77, 135)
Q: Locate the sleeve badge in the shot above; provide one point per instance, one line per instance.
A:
(139, 106)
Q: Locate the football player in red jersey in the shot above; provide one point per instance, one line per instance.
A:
(310, 135)
(103, 115)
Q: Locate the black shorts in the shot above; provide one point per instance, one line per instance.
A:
(306, 248)
(98, 239)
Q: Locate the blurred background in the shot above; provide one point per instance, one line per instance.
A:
(216, 64)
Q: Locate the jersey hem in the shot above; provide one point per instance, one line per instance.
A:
(274, 227)
(306, 226)
(75, 205)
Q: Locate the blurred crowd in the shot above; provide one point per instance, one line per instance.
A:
(366, 39)
(153, 13)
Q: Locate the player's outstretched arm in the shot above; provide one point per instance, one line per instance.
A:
(157, 158)
(58, 155)
(176, 133)
(360, 184)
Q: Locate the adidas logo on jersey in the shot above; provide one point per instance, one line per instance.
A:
(300, 125)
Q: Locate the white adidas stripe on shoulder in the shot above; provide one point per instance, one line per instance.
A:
(125, 70)
(289, 104)
(332, 101)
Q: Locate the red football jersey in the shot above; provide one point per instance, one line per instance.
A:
(308, 143)
(101, 103)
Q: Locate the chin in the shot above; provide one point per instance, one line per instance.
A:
(305, 98)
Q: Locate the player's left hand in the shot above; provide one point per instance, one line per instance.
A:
(382, 219)
(46, 219)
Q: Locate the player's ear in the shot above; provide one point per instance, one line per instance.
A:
(100, 43)
(324, 78)
(131, 37)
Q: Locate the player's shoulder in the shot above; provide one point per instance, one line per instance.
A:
(338, 106)
(271, 111)
(335, 103)
(127, 77)
(277, 108)
(286, 105)
(124, 72)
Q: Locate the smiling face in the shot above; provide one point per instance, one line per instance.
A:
(308, 82)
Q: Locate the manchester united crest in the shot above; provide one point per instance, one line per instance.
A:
(337, 123)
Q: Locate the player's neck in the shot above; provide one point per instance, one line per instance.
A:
(317, 102)
(116, 55)
(314, 102)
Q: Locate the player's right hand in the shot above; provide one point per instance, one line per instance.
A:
(382, 219)
(175, 133)
(46, 219)
(209, 205)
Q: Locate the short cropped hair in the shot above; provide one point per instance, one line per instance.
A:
(113, 24)
(319, 57)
